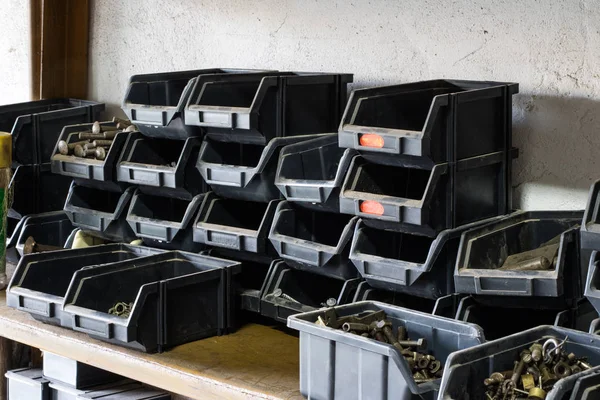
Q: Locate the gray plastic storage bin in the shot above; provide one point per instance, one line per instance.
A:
(465, 370)
(311, 173)
(162, 221)
(255, 108)
(50, 229)
(100, 212)
(234, 224)
(27, 384)
(592, 284)
(74, 373)
(155, 102)
(484, 249)
(60, 391)
(35, 125)
(314, 241)
(288, 291)
(339, 365)
(590, 226)
(14, 227)
(39, 283)
(88, 168)
(442, 120)
(161, 163)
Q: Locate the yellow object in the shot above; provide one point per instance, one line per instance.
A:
(537, 394)
(5, 150)
(137, 242)
(82, 239)
(527, 381)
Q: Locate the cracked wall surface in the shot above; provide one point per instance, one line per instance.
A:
(15, 85)
(551, 47)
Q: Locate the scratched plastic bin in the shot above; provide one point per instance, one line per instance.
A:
(425, 197)
(36, 125)
(243, 171)
(37, 190)
(27, 384)
(484, 250)
(100, 212)
(155, 102)
(340, 365)
(289, 291)
(34, 290)
(162, 221)
(314, 241)
(442, 120)
(161, 163)
(88, 168)
(254, 108)
(50, 229)
(466, 370)
(311, 173)
(406, 262)
(234, 224)
(176, 298)
(445, 306)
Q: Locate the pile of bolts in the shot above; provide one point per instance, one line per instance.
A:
(535, 373)
(95, 143)
(375, 325)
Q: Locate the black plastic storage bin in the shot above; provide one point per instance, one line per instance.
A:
(289, 291)
(36, 125)
(426, 197)
(155, 102)
(74, 373)
(50, 229)
(311, 173)
(498, 319)
(243, 171)
(340, 365)
(40, 282)
(176, 298)
(592, 282)
(255, 108)
(14, 226)
(123, 390)
(27, 384)
(314, 241)
(161, 163)
(590, 226)
(406, 262)
(234, 224)
(483, 250)
(100, 212)
(162, 221)
(445, 306)
(442, 120)
(466, 370)
(88, 168)
(37, 190)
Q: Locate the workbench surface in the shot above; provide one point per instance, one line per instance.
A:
(255, 362)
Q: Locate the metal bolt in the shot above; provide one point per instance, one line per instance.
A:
(583, 365)
(65, 148)
(412, 343)
(100, 153)
(96, 129)
(90, 135)
(102, 142)
(109, 134)
(279, 293)
(79, 151)
(562, 370)
(495, 378)
(331, 302)
(31, 246)
(401, 333)
(131, 128)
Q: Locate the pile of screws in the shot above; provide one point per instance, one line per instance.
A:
(535, 372)
(121, 309)
(95, 143)
(375, 325)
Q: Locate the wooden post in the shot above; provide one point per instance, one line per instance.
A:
(5, 364)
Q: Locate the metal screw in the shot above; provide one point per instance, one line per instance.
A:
(355, 326)
(79, 151)
(96, 129)
(102, 142)
(331, 302)
(412, 343)
(65, 148)
(109, 134)
(279, 293)
(89, 146)
(100, 153)
(90, 135)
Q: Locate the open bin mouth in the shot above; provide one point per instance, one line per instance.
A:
(467, 369)
(523, 254)
(232, 154)
(443, 336)
(88, 198)
(412, 119)
(159, 290)
(50, 229)
(251, 284)
(311, 237)
(34, 290)
(310, 171)
(234, 224)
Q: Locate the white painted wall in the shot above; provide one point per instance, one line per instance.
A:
(15, 80)
(551, 47)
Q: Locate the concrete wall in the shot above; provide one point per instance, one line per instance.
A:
(551, 47)
(15, 84)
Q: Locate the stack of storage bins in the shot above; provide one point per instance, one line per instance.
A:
(35, 127)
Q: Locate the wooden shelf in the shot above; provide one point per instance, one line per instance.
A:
(255, 362)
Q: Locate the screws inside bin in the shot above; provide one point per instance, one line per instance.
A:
(375, 325)
(536, 370)
(96, 142)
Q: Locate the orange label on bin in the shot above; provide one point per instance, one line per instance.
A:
(371, 140)
(371, 207)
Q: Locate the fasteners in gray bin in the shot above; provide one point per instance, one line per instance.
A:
(65, 148)
(31, 246)
(279, 293)
(100, 153)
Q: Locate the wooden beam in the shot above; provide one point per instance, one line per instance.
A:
(59, 43)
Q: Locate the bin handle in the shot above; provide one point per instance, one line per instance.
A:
(234, 244)
(219, 121)
(104, 333)
(22, 306)
(527, 291)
